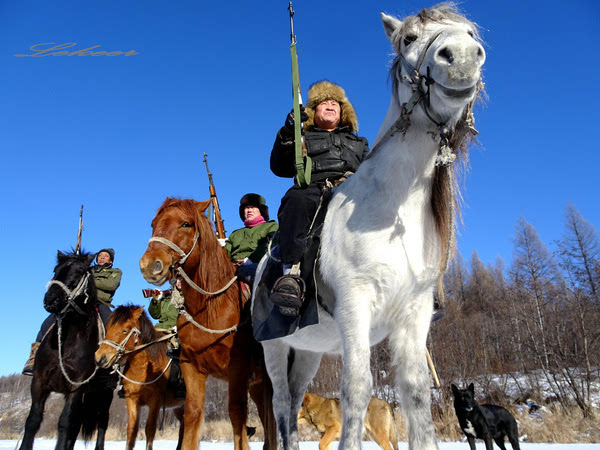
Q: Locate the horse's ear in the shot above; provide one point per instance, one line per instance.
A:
(90, 259)
(471, 388)
(454, 390)
(60, 256)
(202, 206)
(137, 313)
(390, 24)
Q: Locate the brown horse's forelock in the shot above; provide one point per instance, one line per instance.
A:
(446, 179)
(148, 333)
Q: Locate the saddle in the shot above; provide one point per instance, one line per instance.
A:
(271, 321)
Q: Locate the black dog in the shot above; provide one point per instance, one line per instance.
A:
(485, 422)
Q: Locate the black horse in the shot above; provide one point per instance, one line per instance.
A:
(65, 361)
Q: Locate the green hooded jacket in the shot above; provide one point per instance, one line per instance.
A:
(252, 242)
(107, 279)
(164, 312)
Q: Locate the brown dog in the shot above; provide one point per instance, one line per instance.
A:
(325, 414)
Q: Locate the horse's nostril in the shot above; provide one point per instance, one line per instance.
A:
(158, 267)
(446, 54)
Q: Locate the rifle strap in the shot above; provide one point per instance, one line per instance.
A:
(303, 161)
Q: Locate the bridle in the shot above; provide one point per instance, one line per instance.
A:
(72, 294)
(176, 298)
(420, 85)
(120, 347)
(122, 351)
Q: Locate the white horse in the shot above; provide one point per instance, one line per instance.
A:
(389, 232)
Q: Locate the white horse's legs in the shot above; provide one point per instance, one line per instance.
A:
(303, 368)
(357, 381)
(412, 375)
(289, 386)
(276, 360)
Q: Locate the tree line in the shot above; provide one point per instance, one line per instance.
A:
(532, 323)
(536, 317)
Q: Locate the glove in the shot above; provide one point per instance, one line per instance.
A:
(246, 273)
(157, 295)
(289, 120)
(222, 241)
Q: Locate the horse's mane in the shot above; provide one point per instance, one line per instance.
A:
(446, 178)
(148, 333)
(73, 255)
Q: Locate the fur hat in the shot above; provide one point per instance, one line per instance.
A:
(110, 251)
(326, 90)
(257, 201)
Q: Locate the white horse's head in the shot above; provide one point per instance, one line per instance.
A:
(438, 54)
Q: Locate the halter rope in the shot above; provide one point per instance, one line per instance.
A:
(60, 358)
(71, 294)
(141, 383)
(121, 351)
(176, 298)
(415, 80)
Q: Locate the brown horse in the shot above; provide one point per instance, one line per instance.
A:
(218, 340)
(147, 369)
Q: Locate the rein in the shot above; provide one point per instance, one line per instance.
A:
(71, 295)
(177, 299)
(121, 351)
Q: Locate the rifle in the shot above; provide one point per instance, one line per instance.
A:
(150, 292)
(217, 219)
(303, 161)
(78, 245)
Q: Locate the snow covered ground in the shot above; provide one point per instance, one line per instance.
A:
(48, 444)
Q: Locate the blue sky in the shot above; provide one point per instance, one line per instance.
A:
(121, 133)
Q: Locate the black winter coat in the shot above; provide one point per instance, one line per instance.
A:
(333, 153)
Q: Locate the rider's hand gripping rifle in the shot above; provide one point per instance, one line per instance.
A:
(303, 161)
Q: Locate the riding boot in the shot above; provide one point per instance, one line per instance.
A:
(175, 382)
(288, 294)
(28, 369)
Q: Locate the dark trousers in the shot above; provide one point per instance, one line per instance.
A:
(46, 324)
(297, 210)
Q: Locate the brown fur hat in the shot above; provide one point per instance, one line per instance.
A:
(257, 201)
(326, 90)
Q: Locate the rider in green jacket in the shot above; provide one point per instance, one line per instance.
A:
(106, 277)
(160, 308)
(246, 246)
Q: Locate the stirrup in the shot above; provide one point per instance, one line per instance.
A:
(288, 294)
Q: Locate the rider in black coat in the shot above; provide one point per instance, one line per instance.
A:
(336, 151)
